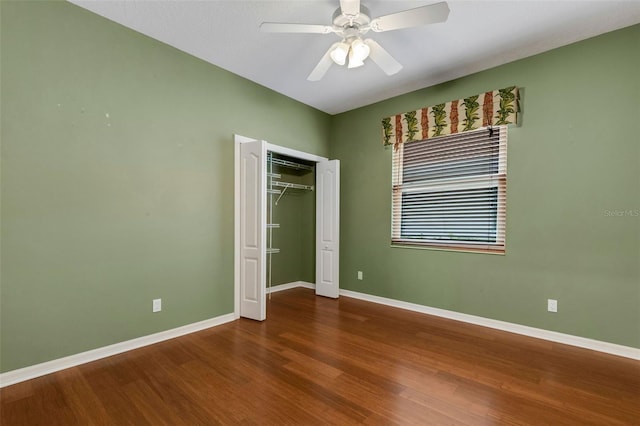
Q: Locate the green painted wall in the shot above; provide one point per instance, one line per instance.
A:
(117, 180)
(575, 157)
(117, 188)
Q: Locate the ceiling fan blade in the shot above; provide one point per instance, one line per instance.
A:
(430, 14)
(276, 27)
(350, 7)
(323, 66)
(382, 58)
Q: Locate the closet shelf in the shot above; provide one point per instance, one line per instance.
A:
(273, 225)
(274, 175)
(274, 191)
(272, 250)
(290, 164)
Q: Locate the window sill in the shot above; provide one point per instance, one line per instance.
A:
(465, 249)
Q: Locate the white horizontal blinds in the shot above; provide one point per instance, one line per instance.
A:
(468, 154)
(451, 191)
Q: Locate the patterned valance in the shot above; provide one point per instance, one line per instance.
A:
(498, 107)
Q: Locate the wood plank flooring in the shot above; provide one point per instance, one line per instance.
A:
(323, 361)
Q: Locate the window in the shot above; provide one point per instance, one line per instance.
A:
(450, 192)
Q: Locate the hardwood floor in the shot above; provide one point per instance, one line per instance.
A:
(323, 361)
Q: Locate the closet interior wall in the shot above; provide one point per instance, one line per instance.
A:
(290, 220)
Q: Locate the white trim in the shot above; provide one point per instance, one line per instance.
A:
(289, 286)
(33, 371)
(553, 336)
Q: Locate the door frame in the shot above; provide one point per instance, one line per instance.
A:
(238, 139)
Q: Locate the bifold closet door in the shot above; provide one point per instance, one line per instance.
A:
(253, 230)
(327, 228)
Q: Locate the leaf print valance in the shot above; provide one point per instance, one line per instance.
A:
(498, 107)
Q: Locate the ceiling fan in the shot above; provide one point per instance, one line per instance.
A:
(351, 21)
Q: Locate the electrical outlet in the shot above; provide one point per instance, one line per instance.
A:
(157, 305)
(552, 305)
(360, 275)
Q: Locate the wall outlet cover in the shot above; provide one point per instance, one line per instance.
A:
(552, 305)
(157, 305)
(359, 275)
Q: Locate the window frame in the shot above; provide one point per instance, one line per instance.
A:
(491, 180)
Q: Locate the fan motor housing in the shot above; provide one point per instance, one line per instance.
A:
(344, 21)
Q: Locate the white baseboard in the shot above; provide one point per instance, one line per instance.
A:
(288, 286)
(553, 336)
(33, 371)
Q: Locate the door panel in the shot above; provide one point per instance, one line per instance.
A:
(327, 228)
(327, 266)
(252, 230)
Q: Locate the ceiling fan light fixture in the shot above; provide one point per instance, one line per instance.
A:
(339, 53)
(360, 50)
(354, 60)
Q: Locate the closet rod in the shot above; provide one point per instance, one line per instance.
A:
(287, 185)
(293, 185)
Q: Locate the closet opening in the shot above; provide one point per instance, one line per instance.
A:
(291, 206)
(287, 223)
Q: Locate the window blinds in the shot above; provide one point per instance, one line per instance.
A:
(450, 191)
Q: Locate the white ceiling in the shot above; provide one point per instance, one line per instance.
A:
(478, 35)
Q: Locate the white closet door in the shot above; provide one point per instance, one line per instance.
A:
(327, 228)
(253, 230)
